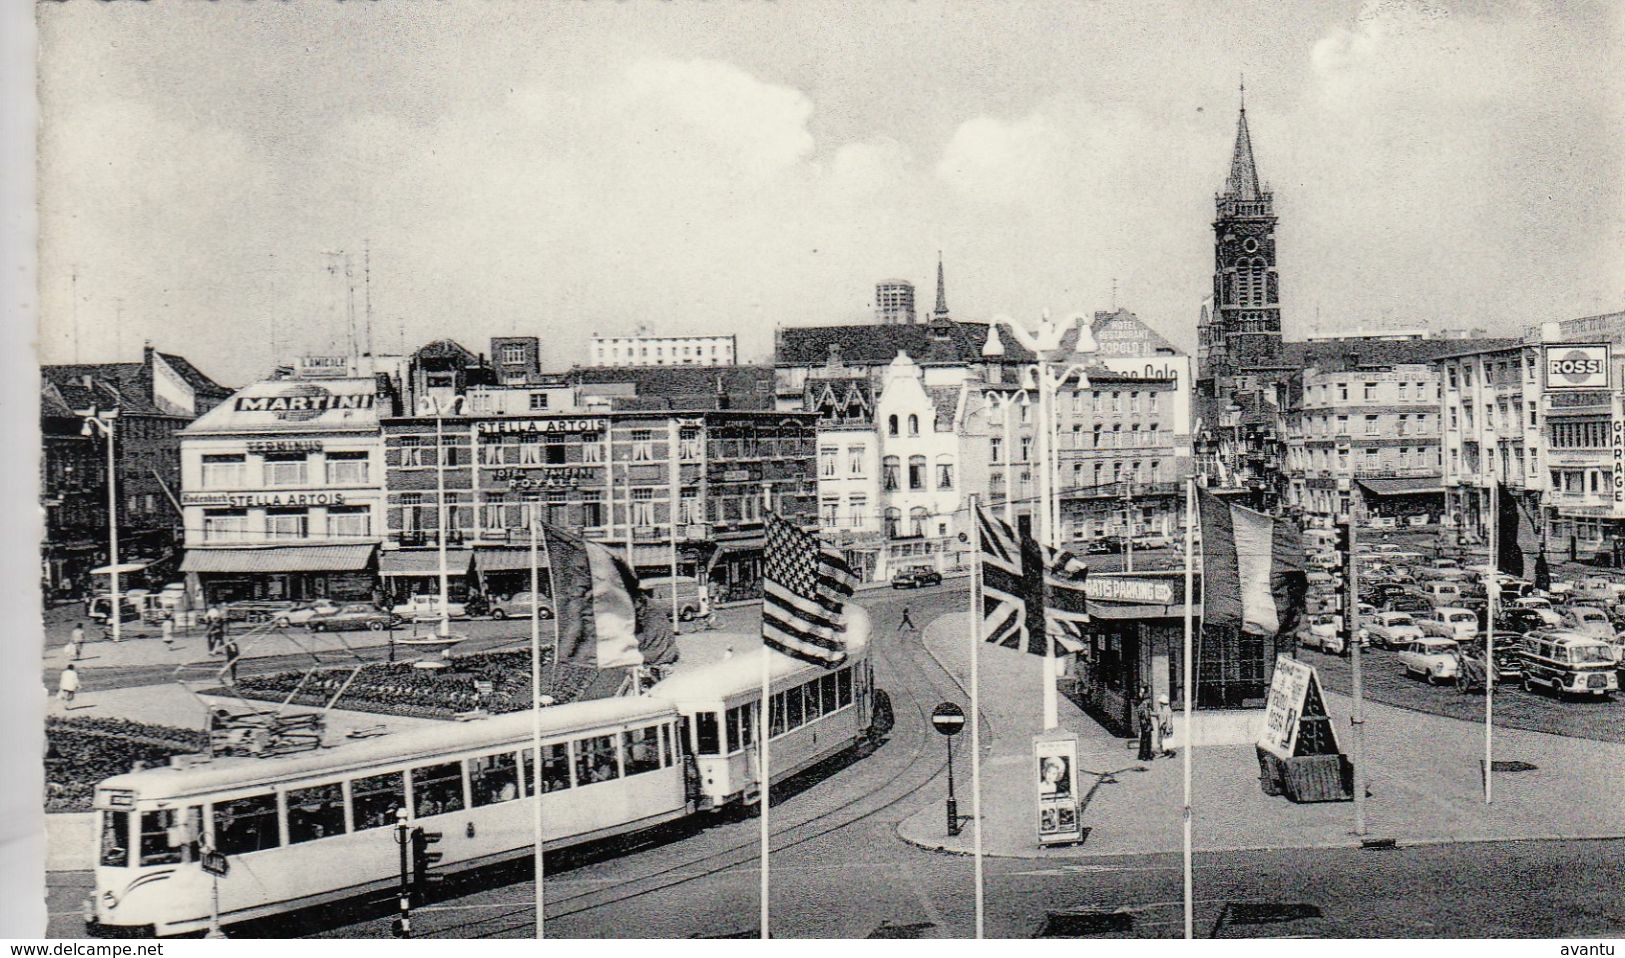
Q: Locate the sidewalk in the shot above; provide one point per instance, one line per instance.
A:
(1425, 781)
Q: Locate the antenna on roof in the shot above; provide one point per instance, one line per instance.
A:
(366, 269)
(73, 280)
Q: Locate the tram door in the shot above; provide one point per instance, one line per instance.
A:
(691, 765)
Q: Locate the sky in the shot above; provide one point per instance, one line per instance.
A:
(559, 168)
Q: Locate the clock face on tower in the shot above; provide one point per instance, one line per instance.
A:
(1250, 244)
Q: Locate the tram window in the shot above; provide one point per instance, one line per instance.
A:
(792, 708)
(843, 687)
(115, 839)
(733, 730)
(665, 746)
(373, 800)
(642, 750)
(812, 705)
(595, 759)
(741, 727)
(826, 691)
(437, 789)
(246, 825)
(555, 768)
(776, 715)
(705, 733)
(493, 778)
(315, 812)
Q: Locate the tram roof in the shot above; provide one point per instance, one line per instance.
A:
(742, 673)
(397, 748)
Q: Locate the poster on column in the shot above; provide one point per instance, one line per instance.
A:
(1055, 770)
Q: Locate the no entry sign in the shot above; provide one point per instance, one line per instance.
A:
(948, 718)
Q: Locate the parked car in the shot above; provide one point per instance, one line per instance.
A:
(691, 603)
(1390, 630)
(1449, 623)
(1411, 602)
(518, 606)
(423, 608)
(1326, 561)
(131, 605)
(257, 610)
(1590, 621)
(1541, 609)
(1521, 621)
(351, 616)
(1324, 632)
(1152, 541)
(174, 597)
(1430, 658)
(1442, 594)
(915, 578)
(1508, 655)
(303, 614)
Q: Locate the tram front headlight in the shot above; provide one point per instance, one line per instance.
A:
(109, 900)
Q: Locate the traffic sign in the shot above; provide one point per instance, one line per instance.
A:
(948, 718)
(214, 863)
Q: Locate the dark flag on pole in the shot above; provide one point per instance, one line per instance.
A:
(1509, 558)
(1252, 568)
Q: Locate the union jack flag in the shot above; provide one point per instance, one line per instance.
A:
(805, 587)
(1029, 592)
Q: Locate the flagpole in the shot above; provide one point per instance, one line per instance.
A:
(536, 713)
(763, 733)
(676, 466)
(975, 632)
(1490, 595)
(1351, 616)
(1190, 686)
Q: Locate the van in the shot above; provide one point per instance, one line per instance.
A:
(1569, 663)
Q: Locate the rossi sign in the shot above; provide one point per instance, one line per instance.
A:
(1571, 367)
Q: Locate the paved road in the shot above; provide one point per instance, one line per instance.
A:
(839, 871)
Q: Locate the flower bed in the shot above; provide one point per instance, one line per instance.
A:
(84, 751)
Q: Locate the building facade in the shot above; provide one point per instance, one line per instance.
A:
(647, 349)
(894, 302)
(283, 492)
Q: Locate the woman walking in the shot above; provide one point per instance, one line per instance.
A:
(1145, 718)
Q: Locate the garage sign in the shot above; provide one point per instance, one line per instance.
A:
(1570, 367)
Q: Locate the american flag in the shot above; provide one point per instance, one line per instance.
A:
(1029, 591)
(806, 585)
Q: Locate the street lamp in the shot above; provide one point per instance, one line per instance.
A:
(1045, 345)
(96, 422)
(432, 406)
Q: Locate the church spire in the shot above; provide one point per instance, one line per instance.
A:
(941, 311)
(1243, 181)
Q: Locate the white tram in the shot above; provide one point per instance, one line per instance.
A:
(315, 827)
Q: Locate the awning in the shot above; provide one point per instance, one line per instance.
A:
(349, 557)
(417, 562)
(1403, 486)
(123, 568)
(505, 560)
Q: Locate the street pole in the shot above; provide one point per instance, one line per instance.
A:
(953, 803)
(1352, 617)
(1188, 673)
(403, 838)
(536, 708)
(1128, 528)
(764, 731)
(1052, 705)
(975, 631)
(117, 604)
(440, 497)
(1490, 595)
(675, 464)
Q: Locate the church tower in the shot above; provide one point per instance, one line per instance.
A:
(1243, 328)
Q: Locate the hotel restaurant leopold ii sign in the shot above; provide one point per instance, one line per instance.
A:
(1570, 366)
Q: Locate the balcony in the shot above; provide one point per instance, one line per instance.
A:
(427, 537)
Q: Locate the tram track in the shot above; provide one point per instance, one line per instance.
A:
(908, 677)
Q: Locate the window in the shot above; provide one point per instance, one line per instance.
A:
(688, 439)
(916, 472)
(643, 447)
(347, 468)
(315, 812)
(1371, 425)
(287, 524)
(913, 425)
(888, 473)
(643, 507)
(115, 851)
(995, 450)
(245, 825)
(1134, 402)
(891, 425)
(741, 727)
(854, 461)
(707, 734)
(1370, 392)
(1404, 392)
(860, 512)
(917, 518)
(829, 512)
(826, 462)
(945, 473)
(223, 472)
(437, 789)
(158, 841)
(1342, 392)
(373, 800)
(555, 768)
(596, 760)
(1026, 449)
(493, 778)
(538, 401)
(811, 705)
(411, 450)
(1151, 402)
(285, 469)
(843, 687)
(225, 525)
(893, 519)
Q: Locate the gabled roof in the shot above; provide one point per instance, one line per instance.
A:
(683, 387)
(193, 377)
(877, 344)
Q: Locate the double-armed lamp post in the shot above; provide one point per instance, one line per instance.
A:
(97, 421)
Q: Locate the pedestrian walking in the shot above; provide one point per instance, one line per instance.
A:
(907, 623)
(1165, 725)
(76, 641)
(1145, 719)
(168, 627)
(232, 655)
(217, 635)
(67, 686)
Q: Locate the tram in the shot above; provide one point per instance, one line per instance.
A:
(315, 827)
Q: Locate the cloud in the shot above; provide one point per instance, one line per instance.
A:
(1003, 160)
